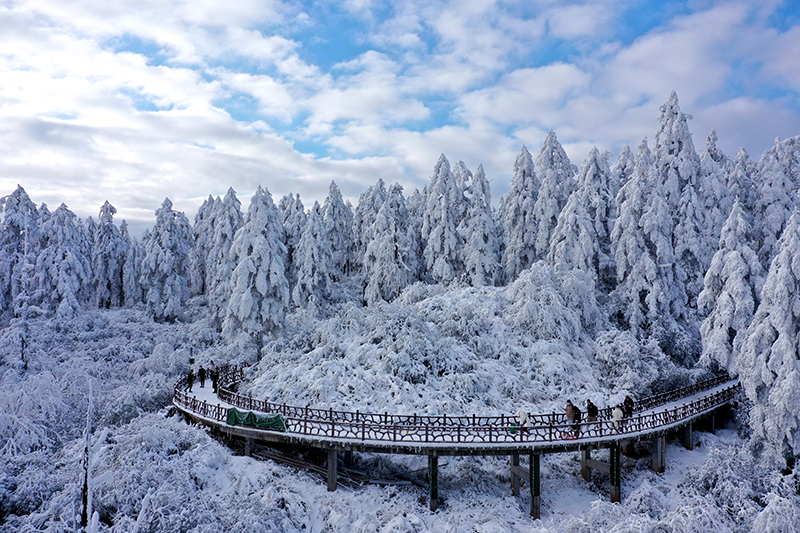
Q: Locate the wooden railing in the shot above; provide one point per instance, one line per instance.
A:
(446, 429)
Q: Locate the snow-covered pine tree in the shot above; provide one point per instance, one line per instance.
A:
(391, 260)
(774, 202)
(19, 245)
(479, 234)
(516, 217)
(314, 260)
(198, 258)
(462, 179)
(740, 180)
(622, 169)
(789, 156)
(692, 249)
(675, 159)
(227, 219)
(131, 271)
(442, 249)
(369, 203)
(597, 194)
(769, 361)
(108, 258)
(338, 223)
(730, 293)
(574, 240)
(650, 289)
(164, 273)
(259, 289)
(294, 218)
(558, 181)
(715, 197)
(63, 271)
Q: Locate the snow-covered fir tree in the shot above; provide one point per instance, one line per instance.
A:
(338, 222)
(692, 248)
(557, 177)
(164, 273)
(131, 272)
(622, 169)
(259, 289)
(517, 219)
(462, 178)
(226, 220)
(774, 202)
(574, 241)
(63, 270)
(675, 159)
(19, 245)
(730, 294)
(715, 197)
(769, 361)
(740, 180)
(108, 258)
(597, 194)
(442, 244)
(369, 203)
(480, 236)
(650, 290)
(391, 259)
(314, 260)
(294, 218)
(198, 258)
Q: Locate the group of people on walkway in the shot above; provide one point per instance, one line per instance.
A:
(203, 374)
(574, 415)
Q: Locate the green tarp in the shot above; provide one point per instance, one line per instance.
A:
(249, 418)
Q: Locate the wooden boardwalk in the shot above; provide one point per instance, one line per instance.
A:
(444, 435)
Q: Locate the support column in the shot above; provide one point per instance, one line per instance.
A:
(713, 422)
(659, 460)
(433, 479)
(536, 489)
(248, 446)
(616, 472)
(332, 458)
(515, 479)
(688, 436)
(586, 472)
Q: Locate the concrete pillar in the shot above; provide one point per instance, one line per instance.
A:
(615, 472)
(688, 436)
(536, 489)
(433, 478)
(515, 479)
(332, 458)
(248, 446)
(713, 422)
(586, 472)
(659, 451)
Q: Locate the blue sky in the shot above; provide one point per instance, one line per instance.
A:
(134, 101)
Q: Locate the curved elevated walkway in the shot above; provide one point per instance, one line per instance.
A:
(444, 435)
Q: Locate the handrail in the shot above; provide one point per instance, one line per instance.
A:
(448, 429)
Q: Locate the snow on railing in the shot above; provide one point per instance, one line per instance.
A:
(446, 429)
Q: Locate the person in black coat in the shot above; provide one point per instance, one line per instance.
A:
(591, 411)
(190, 379)
(202, 375)
(627, 406)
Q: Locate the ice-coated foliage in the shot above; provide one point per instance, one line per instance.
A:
(674, 157)
(203, 233)
(226, 220)
(774, 203)
(692, 249)
(517, 217)
(19, 244)
(369, 203)
(480, 235)
(740, 180)
(315, 265)
(338, 222)
(442, 243)
(259, 289)
(63, 270)
(622, 169)
(715, 196)
(108, 257)
(557, 175)
(769, 361)
(391, 261)
(574, 241)
(164, 273)
(294, 222)
(730, 294)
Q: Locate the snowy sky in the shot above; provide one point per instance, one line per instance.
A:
(134, 101)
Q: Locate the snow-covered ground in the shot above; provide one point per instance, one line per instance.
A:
(153, 472)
